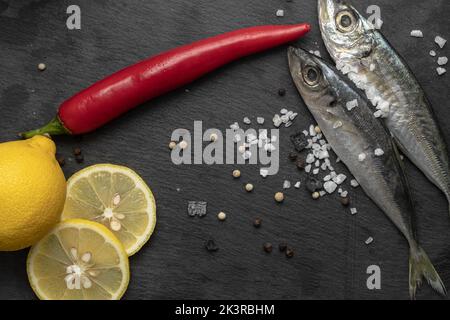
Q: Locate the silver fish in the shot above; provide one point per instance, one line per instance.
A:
(361, 52)
(354, 134)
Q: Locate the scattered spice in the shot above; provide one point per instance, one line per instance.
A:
(183, 144)
(345, 201)
(300, 163)
(313, 184)
(211, 246)
(61, 160)
(289, 252)
(172, 145)
(236, 174)
(268, 247)
(42, 66)
(222, 216)
(279, 197)
(76, 151)
(317, 129)
(293, 156)
(282, 247)
(257, 223)
(315, 195)
(249, 187)
(213, 137)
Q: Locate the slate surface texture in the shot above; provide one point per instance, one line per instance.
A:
(331, 257)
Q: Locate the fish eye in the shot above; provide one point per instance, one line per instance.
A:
(346, 21)
(311, 75)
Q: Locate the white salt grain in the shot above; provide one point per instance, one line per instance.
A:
(260, 120)
(440, 41)
(353, 211)
(330, 186)
(337, 124)
(440, 71)
(417, 34)
(351, 104)
(263, 172)
(433, 53)
(442, 61)
(308, 168)
(361, 157)
(379, 152)
(316, 171)
(369, 240)
(246, 120)
(280, 13)
(339, 178)
(354, 183)
(297, 185)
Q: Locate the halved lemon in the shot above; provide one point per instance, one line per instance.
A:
(116, 197)
(78, 260)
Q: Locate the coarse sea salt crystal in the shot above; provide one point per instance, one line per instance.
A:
(442, 61)
(354, 183)
(312, 131)
(337, 124)
(260, 120)
(280, 13)
(440, 41)
(246, 120)
(330, 186)
(433, 53)
(372, 67)
(247, 155)
(310, 158)
(369, 240)
(378, 114)
(344, 194)
(263, 172)
(297, 184)
(322, 193)
(308, 168)
(339, 178)
(379, 152)
(361, 157)
(317, 163)
(286, 184)
(353, 211)
(316, 171)
(440, 71)
(317, 53)
(351, 104)
(327, 178)
(417, 34)
(305, 133)
(234, 126)
(283, 111)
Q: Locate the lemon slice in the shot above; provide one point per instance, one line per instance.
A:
(78, 260)
(116, 197)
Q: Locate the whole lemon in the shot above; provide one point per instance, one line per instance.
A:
(32, 191)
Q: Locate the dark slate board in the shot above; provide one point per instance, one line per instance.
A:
(330, 255)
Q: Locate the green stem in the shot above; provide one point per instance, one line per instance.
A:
(54, 127)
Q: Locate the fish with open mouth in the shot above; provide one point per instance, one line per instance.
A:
(361, 52)
(365, 146)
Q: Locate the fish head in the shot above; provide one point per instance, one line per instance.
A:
(315, 80)
(345, 32)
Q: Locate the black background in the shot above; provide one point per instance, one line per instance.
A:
(330, 254)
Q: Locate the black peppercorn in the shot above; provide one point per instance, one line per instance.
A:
(268, 247)
(257, 223)
(289, 252)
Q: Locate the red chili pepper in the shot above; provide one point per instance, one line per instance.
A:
(130, 87)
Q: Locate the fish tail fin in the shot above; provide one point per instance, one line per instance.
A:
(421, 266)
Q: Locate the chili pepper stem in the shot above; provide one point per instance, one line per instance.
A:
(54, 127)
